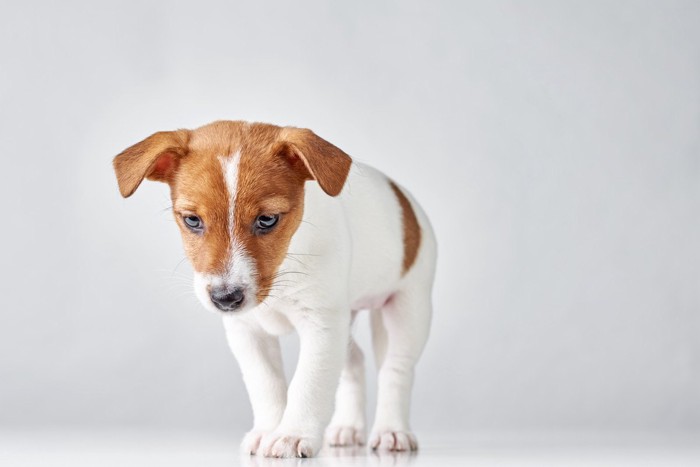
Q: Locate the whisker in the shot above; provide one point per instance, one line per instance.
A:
(295, 259)
(178, 264)
(312, 225)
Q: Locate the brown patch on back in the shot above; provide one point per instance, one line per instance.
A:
(411, 229)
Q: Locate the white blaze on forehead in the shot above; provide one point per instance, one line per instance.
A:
(230, 168)
(240, 269)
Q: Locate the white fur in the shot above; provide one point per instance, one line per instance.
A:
(345, 256)
(230, 168)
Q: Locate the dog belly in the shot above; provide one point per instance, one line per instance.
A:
(371, 302)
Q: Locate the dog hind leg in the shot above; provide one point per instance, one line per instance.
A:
(400, 330)
(347, 427)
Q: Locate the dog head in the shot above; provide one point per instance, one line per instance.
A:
(237, 192)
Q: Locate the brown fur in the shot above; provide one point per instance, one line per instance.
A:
(275, 163)
(324, 162)
(156, 157)
(411, 229)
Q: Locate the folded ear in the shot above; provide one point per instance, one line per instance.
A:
(317, 159)
(155, 158)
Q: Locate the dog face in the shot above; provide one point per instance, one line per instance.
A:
(237, 191)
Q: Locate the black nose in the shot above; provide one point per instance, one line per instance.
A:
(226, 299)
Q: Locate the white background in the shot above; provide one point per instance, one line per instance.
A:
(555, 146)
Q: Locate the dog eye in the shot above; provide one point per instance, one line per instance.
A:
(265, 222)
(193, 222)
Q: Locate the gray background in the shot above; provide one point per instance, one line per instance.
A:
(554, 144)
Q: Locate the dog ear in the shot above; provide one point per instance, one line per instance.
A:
(316, 159)
(155, 158)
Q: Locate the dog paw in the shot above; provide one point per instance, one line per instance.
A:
(288, 445)
(251, 441)
(345, 436)
(393, 441)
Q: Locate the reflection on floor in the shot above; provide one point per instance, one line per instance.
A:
(141, 448)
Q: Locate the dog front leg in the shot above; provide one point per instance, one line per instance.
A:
(323, 342)
(259, 357)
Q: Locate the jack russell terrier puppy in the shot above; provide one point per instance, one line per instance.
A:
(274, 254)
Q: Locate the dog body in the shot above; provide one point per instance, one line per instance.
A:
(275, 254)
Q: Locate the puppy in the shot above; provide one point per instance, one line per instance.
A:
(274, 254)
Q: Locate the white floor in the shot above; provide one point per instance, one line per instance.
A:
(141, 448)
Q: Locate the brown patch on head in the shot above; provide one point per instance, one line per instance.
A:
(273, 167)
(411, 229)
